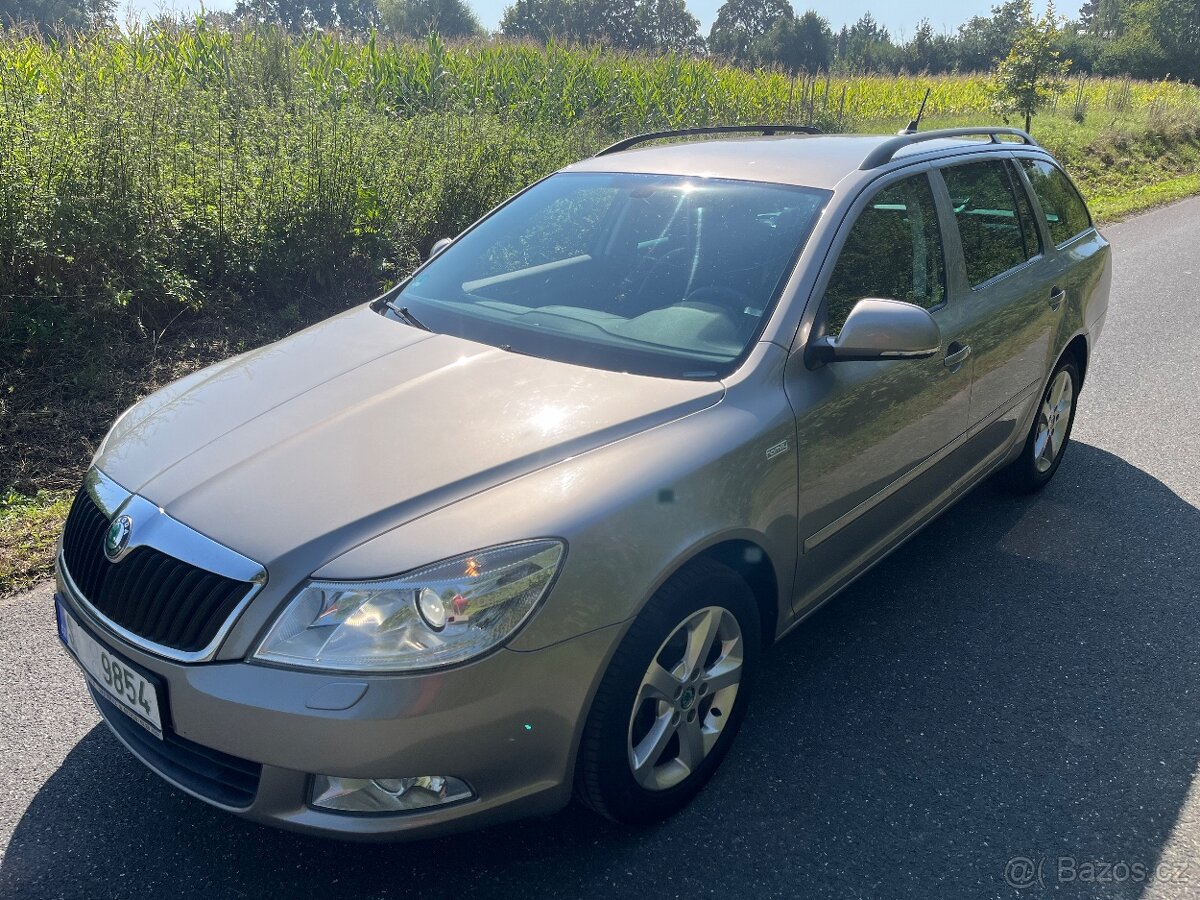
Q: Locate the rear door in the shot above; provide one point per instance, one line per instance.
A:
(1004, 286)
(1077, 261)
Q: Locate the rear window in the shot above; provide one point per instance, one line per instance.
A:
(991, 221)
(1066, 213)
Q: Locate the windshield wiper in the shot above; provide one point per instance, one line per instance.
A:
(405, 315)
(509, 348)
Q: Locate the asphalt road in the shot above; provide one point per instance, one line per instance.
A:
(1015, 693)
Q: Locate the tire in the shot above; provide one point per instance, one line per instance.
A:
(675, 708)
(1040, 458)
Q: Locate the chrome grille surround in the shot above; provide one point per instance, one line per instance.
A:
(156, 530)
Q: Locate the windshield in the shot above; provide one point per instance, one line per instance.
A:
(652, 274)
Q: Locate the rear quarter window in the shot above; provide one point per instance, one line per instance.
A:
(1066, 213)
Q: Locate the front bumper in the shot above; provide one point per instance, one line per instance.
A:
(507, 724)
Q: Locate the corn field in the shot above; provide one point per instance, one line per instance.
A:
(531, 84)
(147, 173)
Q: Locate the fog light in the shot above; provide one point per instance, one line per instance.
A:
(387, 795)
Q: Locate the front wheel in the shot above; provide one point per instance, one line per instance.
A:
(673, 697)
(1048, 436)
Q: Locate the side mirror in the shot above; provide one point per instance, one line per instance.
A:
(439, 246)
(880, 329)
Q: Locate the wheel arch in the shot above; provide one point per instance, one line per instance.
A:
(1077, 347)
(753, 564)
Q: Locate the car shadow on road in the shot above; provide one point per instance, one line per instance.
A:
(1019, 680)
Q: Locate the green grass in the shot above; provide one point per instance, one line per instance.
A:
(29, 527)
(1117, 207)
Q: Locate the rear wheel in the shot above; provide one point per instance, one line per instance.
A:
(1048, 436)
(673, 697)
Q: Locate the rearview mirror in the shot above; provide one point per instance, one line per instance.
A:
(439, 246)
(880, 329)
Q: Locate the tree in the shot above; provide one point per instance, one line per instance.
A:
(929, 51)
(304, 15)
(610, 22)
(1135, 52)
(628, 24)
(1103, 18)
(1081, 47)
(1143, 38)
(1173, 27)
(668, 25)
(1032, 73)
(866, 46)
(50, 14)
(740, 23)
(983, 41)
(803, 44)
(417, 18)
(541, 20)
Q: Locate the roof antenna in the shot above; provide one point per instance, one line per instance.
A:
(916, 123)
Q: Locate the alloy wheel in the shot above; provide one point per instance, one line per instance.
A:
(685, 698)
(1053, 420)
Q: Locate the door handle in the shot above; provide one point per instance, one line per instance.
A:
(1057, 295)
(956, 357)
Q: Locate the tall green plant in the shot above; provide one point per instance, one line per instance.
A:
(171, 170)
(1032, 74)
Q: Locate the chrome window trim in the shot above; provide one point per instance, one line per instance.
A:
(155, 529)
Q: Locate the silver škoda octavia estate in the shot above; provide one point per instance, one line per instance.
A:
(521, 528)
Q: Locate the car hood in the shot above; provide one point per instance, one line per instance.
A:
(309, 446)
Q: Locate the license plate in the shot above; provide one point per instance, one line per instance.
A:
(111, 675)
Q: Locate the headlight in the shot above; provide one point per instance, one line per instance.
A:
(442, 614)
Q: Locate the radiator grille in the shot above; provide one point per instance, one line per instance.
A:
(157, 597)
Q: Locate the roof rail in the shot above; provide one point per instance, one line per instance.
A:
(888, 149)
(712, 129)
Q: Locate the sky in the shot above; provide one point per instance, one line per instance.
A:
(900, 17)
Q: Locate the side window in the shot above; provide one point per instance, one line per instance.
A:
(994, 238)
(894, 252)
(1030, 233)
(1066, 213)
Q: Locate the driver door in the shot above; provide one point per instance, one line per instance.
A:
(875, 437)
